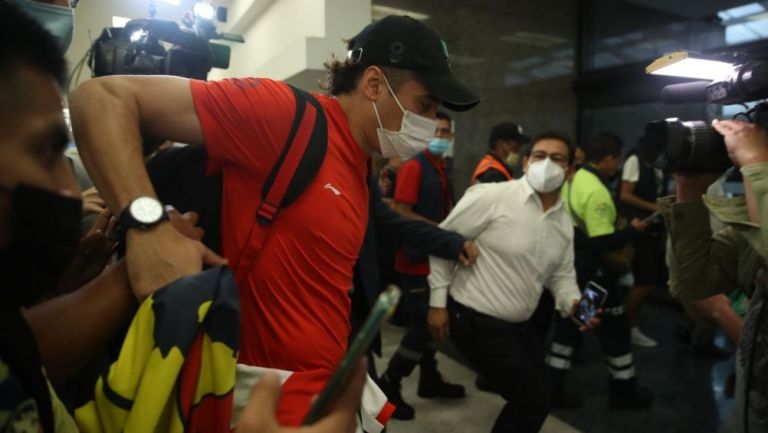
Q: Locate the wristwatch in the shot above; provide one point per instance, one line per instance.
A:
(141, 213)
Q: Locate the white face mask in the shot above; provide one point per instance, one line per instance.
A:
(545, 176)
(414, 134)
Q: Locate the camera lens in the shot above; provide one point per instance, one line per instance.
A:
(690, 146)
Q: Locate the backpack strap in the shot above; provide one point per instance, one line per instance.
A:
(294, 170)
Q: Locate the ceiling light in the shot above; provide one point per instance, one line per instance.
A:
(204, 10)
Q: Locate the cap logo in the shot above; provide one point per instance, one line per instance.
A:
(445, 48)
(445, 53)
(396, 52)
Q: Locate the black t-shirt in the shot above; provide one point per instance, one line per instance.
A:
(178, 176)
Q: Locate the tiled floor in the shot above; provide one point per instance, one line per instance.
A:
(688, 390)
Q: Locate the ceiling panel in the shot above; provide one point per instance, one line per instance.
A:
(690, 8)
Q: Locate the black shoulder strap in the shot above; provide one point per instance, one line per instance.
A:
(294, 170)
(179, 176)
(300, 159)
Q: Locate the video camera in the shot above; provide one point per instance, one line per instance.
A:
(152, 46)
(694, 146)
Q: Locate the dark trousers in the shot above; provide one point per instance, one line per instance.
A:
(510, 356)
(417, 346)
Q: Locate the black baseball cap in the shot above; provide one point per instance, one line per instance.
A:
(507, 131)
(405, 43)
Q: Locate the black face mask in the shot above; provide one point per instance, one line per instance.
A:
(44, 240)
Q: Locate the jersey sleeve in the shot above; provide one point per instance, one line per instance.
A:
(599, 214)
(408, 182)
(244, 121)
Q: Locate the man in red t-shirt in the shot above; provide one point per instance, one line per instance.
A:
(422, 193)
(295, 307)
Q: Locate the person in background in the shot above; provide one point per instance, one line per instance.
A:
(641, 185)
(422, 195)
(599, 253)
(445, 131)
(704, 263)
(525, 238)
(504, 146)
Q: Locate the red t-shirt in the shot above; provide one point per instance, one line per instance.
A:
(294, 301)
(407, 191)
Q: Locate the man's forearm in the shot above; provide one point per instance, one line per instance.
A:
(425, 237)
(69, 329)
(105, 121)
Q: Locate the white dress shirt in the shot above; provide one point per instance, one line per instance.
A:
(522, 250)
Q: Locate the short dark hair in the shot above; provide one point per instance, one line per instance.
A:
(552, 135)
(343, 76)
(24, 42)
(604, 145)
(443, 115)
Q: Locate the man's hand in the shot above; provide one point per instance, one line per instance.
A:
(162, 254)
(438, 321)
(639, 225)
(185, 223)
(747, 143)
(92, 202)
(469, 253)
(93, 253)
(259, 414)
(591, 323)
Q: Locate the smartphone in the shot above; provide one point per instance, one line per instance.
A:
(592, 299)
(652, 217)
(385, 306)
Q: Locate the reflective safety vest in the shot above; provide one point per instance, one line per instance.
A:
(489, 162)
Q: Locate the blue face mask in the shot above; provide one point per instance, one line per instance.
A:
(438, 146)
(58, 20)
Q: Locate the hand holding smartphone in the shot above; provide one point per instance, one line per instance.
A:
(592, 299)
(385, 306)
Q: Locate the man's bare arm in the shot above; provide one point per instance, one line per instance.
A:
(69, 329)
(108, 116)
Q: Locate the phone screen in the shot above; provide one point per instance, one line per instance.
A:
(592, 298)
(385, 306)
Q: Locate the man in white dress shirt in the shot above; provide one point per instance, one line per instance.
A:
(525, 240)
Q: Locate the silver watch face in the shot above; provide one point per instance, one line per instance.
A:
(146, 210)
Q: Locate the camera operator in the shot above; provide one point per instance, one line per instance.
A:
(703, 264)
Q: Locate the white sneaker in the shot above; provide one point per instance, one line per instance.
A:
(642, 340)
